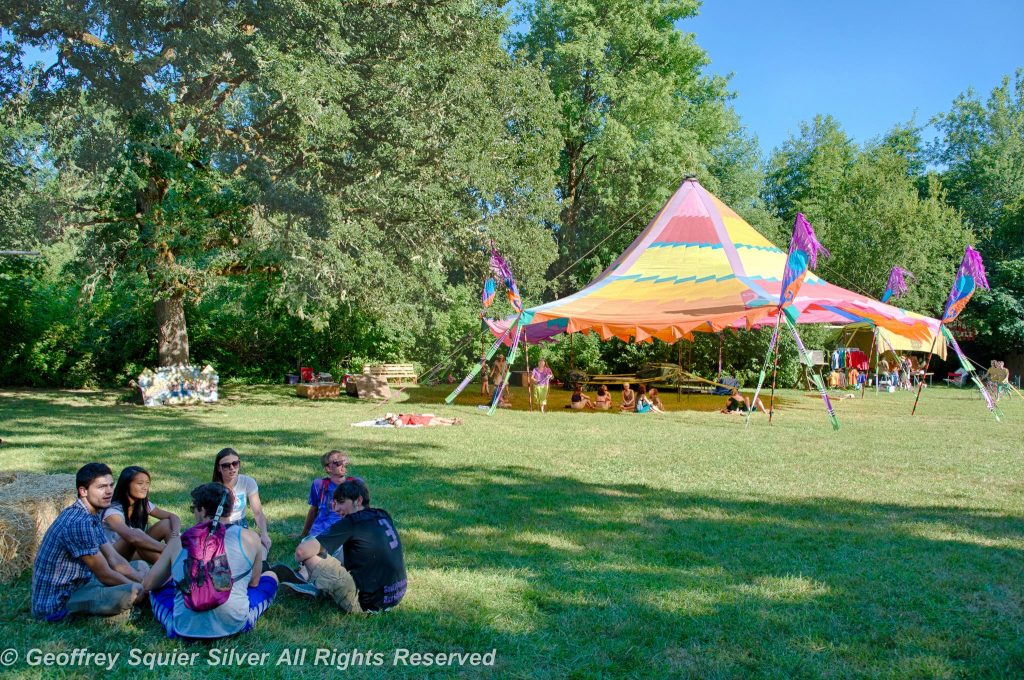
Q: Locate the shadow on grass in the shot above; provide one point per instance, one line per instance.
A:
(568, 578)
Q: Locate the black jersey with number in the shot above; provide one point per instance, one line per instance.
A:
(373, 555)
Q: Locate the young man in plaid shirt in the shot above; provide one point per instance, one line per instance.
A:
(77, 571)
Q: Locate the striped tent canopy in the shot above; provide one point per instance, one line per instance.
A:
(699, 267)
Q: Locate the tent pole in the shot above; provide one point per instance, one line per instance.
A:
(863, 385)
(483, 370)
(927, 361)
(775, 370)
(720, 337)
(878, 356)
(527, 378)
(571, 364)
(679, 376)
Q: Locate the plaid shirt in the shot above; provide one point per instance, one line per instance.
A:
(59, 569)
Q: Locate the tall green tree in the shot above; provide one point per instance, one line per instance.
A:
(869, 209)
(636, 114)
(347, 150)
(981, 153)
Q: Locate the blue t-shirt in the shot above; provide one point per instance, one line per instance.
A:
(320, 497)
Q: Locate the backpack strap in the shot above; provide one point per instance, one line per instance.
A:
(325, 484)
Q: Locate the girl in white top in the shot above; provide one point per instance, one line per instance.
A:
(226, 469)
(126, 520)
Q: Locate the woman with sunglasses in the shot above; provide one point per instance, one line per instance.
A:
(226, 471)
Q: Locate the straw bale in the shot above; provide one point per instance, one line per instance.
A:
(27, 508)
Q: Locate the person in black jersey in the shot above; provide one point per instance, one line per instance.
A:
(371, 550)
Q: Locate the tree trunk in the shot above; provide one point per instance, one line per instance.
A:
(172, 330)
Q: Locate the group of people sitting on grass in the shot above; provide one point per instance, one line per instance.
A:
(104, 554)
(640, 400)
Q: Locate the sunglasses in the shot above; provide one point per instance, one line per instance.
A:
(229, 466)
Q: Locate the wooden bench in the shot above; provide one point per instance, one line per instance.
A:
(611, 379)
(400, 374)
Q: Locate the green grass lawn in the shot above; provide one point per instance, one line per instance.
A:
(603, 545)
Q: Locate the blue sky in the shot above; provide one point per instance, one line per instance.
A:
(870, 64)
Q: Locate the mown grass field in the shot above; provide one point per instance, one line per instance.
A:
(601, 545)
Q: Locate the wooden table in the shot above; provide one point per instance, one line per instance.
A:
(318, 390)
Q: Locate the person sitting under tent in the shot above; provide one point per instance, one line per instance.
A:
(644, 403)
(905, 369)
(628, 398)
(883, 372)
(737, 403)
(652, 396)
(580, 401)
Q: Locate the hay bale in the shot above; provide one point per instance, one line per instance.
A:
(27, 508)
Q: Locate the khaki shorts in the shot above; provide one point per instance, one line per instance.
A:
(96, 599)
(334, 581)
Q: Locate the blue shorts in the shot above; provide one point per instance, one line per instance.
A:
(260, 597)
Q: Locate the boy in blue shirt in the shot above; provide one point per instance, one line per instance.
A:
(321, 513)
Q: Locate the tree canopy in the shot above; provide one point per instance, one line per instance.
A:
(262, 184)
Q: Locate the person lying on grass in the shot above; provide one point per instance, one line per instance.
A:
(77, 570)
(737, 403)
(321, 513)
(210, 582)
(358, 562)
(126, 520)
(424, 419)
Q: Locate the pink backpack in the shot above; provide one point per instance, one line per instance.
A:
(208, 580)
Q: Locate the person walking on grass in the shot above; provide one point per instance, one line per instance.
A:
(227, 471)
(210, 583)
(499, 379)
(77, 570)
(126, 520)
(540, 380)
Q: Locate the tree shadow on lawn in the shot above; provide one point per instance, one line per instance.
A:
(710, 584)
(565, 577)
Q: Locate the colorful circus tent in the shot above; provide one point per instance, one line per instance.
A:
(699, 267)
